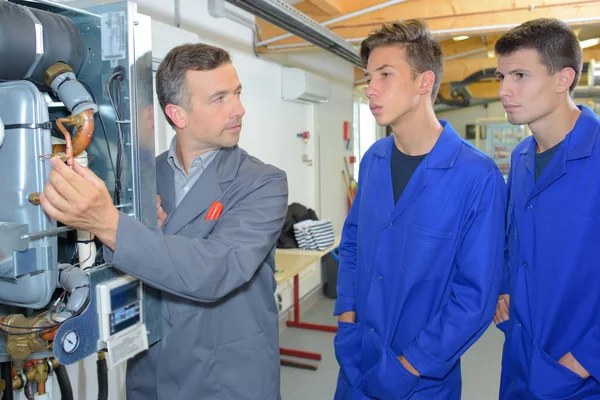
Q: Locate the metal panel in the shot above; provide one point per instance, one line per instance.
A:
(22, 154)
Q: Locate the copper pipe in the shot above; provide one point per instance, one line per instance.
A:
(68, 144)
(84, 133)
(41, 388)
(85, 124)
(41, 375)
(49, 334)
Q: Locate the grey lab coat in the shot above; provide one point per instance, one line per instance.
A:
(220, 320)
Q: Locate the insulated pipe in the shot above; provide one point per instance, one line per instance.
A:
(102, 377)
(64, 383)
(77, 282)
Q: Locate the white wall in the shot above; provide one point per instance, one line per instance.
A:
(269, 133)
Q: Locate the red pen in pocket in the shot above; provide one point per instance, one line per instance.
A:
(214, 211)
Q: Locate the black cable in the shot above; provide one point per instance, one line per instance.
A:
(114, 95)
(6, 375)
(64, 383)
(112, 165)
(102, 379)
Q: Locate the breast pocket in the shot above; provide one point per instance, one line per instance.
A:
(426, 253)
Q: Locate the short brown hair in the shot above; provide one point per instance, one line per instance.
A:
(422, 51)
(555, 42)
(171, 87)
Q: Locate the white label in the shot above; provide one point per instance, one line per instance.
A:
(114, 39)
(126, 345)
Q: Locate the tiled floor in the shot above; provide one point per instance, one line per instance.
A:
(480, 365)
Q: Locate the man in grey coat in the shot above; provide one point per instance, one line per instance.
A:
(220, 214)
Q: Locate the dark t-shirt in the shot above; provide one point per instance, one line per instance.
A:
(402, 167)
(543, 159)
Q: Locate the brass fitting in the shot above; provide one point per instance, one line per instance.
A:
(60, 155)
(2, 385)
(34, 198)
(55, 70)
(22, 378)
(20, 346)
(29, 371)
(101, 356)
(55, 363)
(76, 121)
(41, 375)
(17, 382)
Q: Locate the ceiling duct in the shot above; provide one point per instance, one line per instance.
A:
(287, 17)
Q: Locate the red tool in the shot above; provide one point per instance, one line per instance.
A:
(214, 211)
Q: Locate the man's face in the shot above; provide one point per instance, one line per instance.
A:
(214, 119)
(527, 90)
(393, 91)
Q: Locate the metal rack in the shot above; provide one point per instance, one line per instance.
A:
(500, 138)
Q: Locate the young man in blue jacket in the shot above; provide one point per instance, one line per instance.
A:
(423, 245)
(550, 303)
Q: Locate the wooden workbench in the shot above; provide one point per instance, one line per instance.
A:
(289, 263)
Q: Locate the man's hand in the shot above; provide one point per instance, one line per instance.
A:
(348, 316)
(160, 213)
(571, 363)
(79, 199)
(502, 309)
(409, 367)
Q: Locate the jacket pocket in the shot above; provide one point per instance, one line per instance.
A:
(389, 379)
(244, 369)
(550, 380)
(347, 350)
(424, 251)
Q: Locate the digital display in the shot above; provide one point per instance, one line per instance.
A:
(125, 307)
(124, 295)
(124, 317)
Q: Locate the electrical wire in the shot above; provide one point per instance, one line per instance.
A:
(112, 165)
(114, 95)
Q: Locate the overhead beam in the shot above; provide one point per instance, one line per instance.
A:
(456, 17)
(458, 70)
(329, 7)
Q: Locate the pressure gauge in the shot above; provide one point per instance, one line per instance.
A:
(70, 342)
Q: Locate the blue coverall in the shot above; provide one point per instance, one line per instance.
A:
(422, 275)
(553, 269)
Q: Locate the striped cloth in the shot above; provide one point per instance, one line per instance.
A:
(314, 235)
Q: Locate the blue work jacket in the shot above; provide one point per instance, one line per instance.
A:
(422, 275)
(553, 269)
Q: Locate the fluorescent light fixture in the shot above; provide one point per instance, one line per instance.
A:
(459, 38)
(589, 43)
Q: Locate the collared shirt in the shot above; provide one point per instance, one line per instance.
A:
(183, 181)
